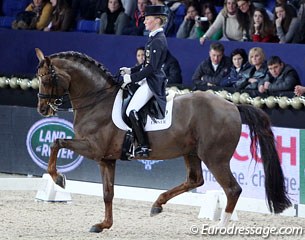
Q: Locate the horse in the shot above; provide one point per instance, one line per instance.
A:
(205, 128)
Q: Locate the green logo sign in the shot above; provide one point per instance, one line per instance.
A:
(40, 137)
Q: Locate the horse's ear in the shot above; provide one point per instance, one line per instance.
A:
(39, 54)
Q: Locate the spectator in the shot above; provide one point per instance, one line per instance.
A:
(136, 25)
(169, 27)
(62, 16)
(88, 9)
(286, 23)
(299, 90)
(240, 64)
(262, 29)
(114, 19)
(178, 8)
(299, 37)
(208, 11)
(172, 69)
(129, 6)
(227, 21)
(256, 73)
(36, 16)
(211, 71)
(187, 28)
(140, 55)
(259, 3)
(244, 16)
(282, 77)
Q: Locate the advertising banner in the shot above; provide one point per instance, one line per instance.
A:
(249, 172)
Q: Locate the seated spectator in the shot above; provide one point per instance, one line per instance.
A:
(282, 77)
(262, 28)
(240, 64)
(36, 16)
(88, 9)
(244, 16)
(62, 16)
(227, 21)
(187, 28)
(136, 25)
(299, 36)
(178, 8)
(286, 23)
(209, 14)
(169, 27)
(172, 69)
(140, 55)
(256, 73)
(114, 19)
(299, 90)
(290, 7)
(211, 71)
(129, 6)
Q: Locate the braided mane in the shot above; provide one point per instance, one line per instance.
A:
(83, 59)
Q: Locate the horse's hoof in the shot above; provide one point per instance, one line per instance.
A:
(96, 229)
(61, 180)
(155, 210)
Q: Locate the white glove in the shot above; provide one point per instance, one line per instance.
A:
(125, 70)
(126, 79)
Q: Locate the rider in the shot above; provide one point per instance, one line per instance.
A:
(149, 75)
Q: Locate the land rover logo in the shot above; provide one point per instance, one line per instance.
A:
(42, 134)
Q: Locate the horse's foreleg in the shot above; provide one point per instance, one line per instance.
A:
(82, 147)
(107, 172)
(194, 179)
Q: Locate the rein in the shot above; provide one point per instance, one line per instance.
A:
(59, 99)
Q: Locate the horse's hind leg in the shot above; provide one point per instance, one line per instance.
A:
(194, 179)
(224, 176)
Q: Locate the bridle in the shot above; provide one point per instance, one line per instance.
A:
(58, 99)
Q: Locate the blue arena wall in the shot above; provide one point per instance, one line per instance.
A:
(18, 50)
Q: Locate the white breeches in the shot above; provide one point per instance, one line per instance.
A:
(140, 98)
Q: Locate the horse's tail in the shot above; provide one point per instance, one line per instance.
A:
(260, 129)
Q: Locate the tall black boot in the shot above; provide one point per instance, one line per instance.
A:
(142, 150)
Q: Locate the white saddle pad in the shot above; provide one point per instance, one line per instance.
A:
(151, 125)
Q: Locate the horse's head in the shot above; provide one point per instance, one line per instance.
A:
(53, 85)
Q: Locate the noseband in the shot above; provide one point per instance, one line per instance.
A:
(58, 99)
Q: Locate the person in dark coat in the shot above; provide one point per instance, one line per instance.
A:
(282, 77)
(149, 75)
(172, 69)
(240, 64)
(211, 71)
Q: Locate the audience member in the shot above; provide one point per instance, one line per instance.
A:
(299, 36)
(227, 21)
(140, 55)
(244, 16)
(286, 23)
(256, 73)
(282, 77)
(172, 69)
(259, 3)
(209, 14)
(36, 16)
(62, 16)
(187, 28)
(136, 25)
(88, 9)
(262, 28)
(114, 19)
(169, 27)
(129, 6)
(178, 8)
(299, 90)
(211, 71)
(240, 64)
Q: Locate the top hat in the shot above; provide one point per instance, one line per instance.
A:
(156, 10)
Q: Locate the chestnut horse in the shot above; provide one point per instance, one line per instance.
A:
(205, 128)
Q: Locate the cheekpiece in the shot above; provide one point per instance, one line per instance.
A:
(155, 10)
